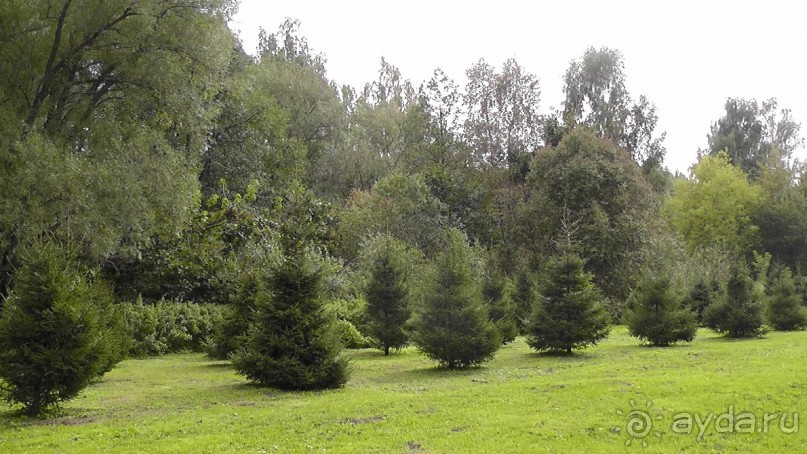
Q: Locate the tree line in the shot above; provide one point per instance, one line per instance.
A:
(147, 157)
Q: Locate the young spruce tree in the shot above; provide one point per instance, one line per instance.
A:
(58, 330)
(570, 313)
(232, 333)
(525, 296)
(293, 342)
(657, 316)
(738, 312)
(702, 295)
(452, 325)
(388, 308)
(497, 292)
(786, 312)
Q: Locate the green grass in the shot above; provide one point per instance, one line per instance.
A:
(519, 402)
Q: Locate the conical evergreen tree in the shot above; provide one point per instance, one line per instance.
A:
(525, 296)
(738, 312)
(293, 342)
(656, 316)
(58, 330)
(388, 308)
(232, 333)
(786, 311)
(452, 325)
(497, 292)
(702, 295)
(570, 313)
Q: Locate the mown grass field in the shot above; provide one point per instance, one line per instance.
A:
(519, 402)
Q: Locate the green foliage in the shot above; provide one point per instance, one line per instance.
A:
(293, 343)
(398, 205)
(701, 296)
(595, 190)
(782, 215)
(351, 319)
(251, 138)
(525, 296)
(657, 314)
(497, 293)
(452, 325)
(715, 206)
(109, 104)
(169, 326)
(739, 310)
(570, 314)
(502, 120)
(230, 335)
(204, 263)
(597, 98)
(388, 296)
(58, 330)
(786, 311)
(752, 133)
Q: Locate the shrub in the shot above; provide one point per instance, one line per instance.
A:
(738, 312)
(58, 331)
(657, 316)
(786, 312)
(452, 325)
(170, 326)
(571, 313)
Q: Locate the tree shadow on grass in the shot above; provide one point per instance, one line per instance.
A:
(57, 416)
(648, 346)
(430, 373)
(728, 339)
(574, 357)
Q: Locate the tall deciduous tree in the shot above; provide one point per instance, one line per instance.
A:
(110, 103)
(752, 134)
(502, 121)
(715, 205)
(596, 97)
(589, 182)
(399, 205)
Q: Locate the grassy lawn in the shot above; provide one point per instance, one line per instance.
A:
(519, 402)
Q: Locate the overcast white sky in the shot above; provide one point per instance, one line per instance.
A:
(686, 56)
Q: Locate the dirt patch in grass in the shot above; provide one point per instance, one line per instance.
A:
(63, 421)
(357, 421)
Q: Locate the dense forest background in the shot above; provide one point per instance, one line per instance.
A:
(172, 165)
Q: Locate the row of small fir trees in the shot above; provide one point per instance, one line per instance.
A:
(59, 329)
(459, 316)
(740, 308)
